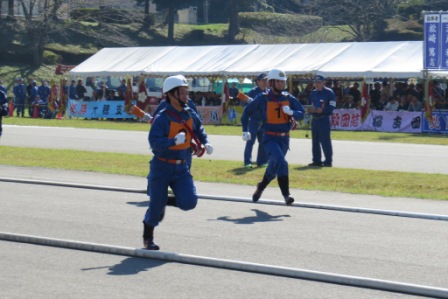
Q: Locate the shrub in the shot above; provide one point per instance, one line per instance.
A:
(280, 24)
(51, 58)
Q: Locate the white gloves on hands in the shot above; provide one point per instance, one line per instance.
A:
(246, 136)
(146, 118)
(208, 148)
(287, 110)
(180, 138)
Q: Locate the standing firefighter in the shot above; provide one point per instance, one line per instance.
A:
(3, 108)
(322, 101)
(174, 131)
(278, 109)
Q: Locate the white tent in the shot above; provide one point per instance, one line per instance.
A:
(347, 60)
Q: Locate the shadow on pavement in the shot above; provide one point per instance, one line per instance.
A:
(260, 216)
(130, 266)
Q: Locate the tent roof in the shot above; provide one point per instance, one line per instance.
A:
(349, 60)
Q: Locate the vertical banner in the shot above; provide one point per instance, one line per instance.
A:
(432, 41)
(444, 40)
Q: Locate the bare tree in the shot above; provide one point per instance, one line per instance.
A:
(365, 18)
(38, 27)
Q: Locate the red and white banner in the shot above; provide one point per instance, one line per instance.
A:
(382, 121)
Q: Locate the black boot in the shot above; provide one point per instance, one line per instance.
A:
(148, 237)
(171, 202)
(283, 183)
(260, 188)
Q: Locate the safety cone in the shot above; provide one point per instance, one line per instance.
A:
(36, 112)
(11, 109)
(59, 116)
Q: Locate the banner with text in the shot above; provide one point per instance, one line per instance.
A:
(439, 123)
(97, 109)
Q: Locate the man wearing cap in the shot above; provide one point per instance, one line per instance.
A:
(255, 123)
(321, 103)
(19, 92)
(276, 108)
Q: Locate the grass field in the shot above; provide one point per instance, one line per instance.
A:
(385, 183)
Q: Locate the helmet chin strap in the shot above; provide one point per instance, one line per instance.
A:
(182, 104)
(274, 87)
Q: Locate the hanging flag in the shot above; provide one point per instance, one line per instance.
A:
(62, 97)
(225, 98)
(365, 103)
(429, 104)
(143, 98)
(128, 96)
(52, 99)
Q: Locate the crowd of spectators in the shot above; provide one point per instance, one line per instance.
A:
(400, 97)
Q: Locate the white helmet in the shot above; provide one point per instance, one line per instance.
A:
(277, 74)
(173, 82)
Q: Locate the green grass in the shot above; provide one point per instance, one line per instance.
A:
(231, 130)
(384, 183)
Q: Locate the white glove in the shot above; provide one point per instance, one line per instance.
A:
(287, 110)
(180, 138)
(146, 118)
(208, 148)
(246, 136)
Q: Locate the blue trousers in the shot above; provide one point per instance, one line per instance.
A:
(276, 148)
(320, 134)
(176, 176)
(257, 134)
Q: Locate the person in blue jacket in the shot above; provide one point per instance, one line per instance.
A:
(277, 109)
(170, 139)
(255, 125)
(322, 102)
(19, 92)
(3, 108)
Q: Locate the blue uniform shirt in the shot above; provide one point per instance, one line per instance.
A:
(165, 127)
(19, 92)
(269, 106)
(253, 94)
(324, 99)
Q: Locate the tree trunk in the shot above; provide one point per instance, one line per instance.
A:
(146, 7)
(11, 8)
(234, 26)
(171, 14)
(205, 13)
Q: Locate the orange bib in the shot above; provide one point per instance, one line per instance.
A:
(176, 128)
(275, 114)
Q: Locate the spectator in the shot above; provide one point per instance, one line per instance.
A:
(420, 92)
(385, 91)
(19, 92)
(111, 95)
(337, 89)
(355, 93)
(375, 97)
(392, 104)
(233, 91)
(3, 87)
(122, 87)
(80, 90)
(44, 90)
(415, 104)
(72, 95)
(348, 102)
(101, 93)
(403, 104)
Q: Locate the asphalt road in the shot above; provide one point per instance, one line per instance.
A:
(347, 154)
(373, 246)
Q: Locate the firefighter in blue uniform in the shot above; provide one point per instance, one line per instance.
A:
(277, 109)
(3, 108)
(170, 138)
(322, 102)
(19, 92)
(255, 127)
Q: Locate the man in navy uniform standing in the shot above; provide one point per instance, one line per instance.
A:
(321, 103)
